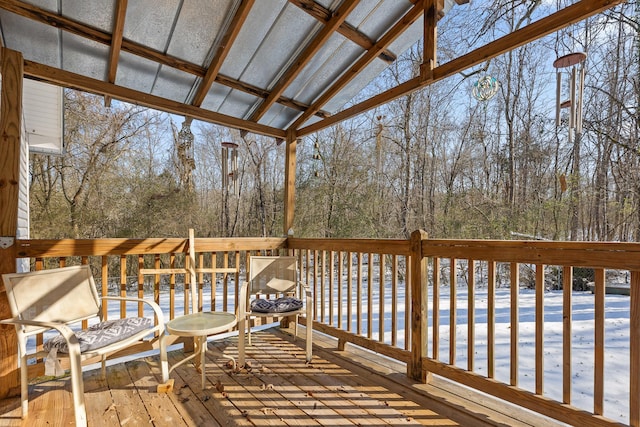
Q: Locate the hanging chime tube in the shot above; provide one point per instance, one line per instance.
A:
(572, 115)
(558, 91)
(580, 97)
(225, 168)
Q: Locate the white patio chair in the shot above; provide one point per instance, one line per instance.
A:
(277, 277)
(56, 299)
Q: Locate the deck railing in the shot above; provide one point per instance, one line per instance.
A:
(432, 304)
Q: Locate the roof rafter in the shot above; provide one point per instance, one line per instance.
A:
(409, 18)
(76, 81)
(337, 18)
(323, 14)
(571, 14)
(116, 43)
(222, 52)
(46, 17)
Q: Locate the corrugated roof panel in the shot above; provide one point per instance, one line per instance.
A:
(354, 87)
(375, 18)
(135, 72)
(42, 45)
(150, 22)
(191, 44)
(173, 84)
(280, 46)
(324, 69)
(50, 5)
(83, 56)
(97, 15)
(279, 116)
(408, 38)
(238, 104)
(215, 97)
(259, 21)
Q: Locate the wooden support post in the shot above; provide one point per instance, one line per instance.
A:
(634, 363)
(290, 182)
(418, 308)
(11, 69)
(430, 40)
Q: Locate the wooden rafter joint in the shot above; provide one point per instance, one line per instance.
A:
(426, 71)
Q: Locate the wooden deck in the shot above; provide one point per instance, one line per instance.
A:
(351, 387)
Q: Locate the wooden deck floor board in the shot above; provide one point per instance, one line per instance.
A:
(275, 405)
(98, 399)
(328, 383)
(188, 386)
(192, 410)
(338, 388)
(273, 382)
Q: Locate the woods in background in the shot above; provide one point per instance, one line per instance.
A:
(437, 159)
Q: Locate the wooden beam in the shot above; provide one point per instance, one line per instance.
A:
(305, 56)
(76, 81)
(10, 128)
(550, 24)
(323, 14)
(430, 40)
(409, 18)
(290, 182)
(116, 43)
(223, 50)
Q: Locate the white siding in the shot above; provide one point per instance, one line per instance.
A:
(43, 115)
(23, 198)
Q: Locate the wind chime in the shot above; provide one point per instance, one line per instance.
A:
(185, 153)
(230, 167)
(575, 62)
(317, 157)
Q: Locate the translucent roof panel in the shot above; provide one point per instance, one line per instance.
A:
(43, 44)
(86, 11)
(195, 46)
(151, 22)
(84, 57)
(258, 65)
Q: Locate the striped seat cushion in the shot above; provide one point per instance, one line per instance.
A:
(102, 334)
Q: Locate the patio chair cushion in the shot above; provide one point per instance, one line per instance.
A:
(102, 334)
(279, 305)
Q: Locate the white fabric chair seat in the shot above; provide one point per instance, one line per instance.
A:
(101, 334)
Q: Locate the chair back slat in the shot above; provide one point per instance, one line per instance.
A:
(65, 294)
(272, 274)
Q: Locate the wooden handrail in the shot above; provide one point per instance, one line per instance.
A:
(359, 285)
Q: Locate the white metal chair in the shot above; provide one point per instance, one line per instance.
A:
(57, 299)
(273, 276)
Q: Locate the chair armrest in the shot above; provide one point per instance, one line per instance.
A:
(242, 302)
(307, 294)
(65, 331)
(156, 308)
(306, 289)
